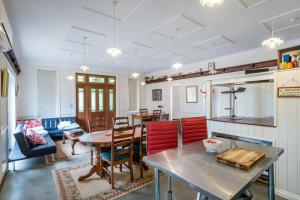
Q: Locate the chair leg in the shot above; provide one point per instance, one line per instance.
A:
(92, 157)
(112, 177)
(120, 167)
(131, 170)
(141, 167)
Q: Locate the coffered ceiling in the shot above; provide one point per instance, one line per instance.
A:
(153, 34)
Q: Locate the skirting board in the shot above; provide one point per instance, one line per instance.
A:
(286, 195)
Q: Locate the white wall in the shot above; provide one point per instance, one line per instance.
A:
(27, 100)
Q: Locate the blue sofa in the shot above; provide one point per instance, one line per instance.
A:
(23, 150)
(50, 125)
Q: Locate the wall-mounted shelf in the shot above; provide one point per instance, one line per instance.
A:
(265, 64)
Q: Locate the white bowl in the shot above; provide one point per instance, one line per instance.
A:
(212, 147)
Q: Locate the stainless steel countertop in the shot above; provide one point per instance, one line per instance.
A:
(194, 166)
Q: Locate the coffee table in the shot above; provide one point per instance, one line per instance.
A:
(73, 139)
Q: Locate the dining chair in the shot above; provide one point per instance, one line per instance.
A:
(140, 148)
(143, 111)
(120, 153)
(161, 136)
(119, 122)
(193, 129)
(156, 115)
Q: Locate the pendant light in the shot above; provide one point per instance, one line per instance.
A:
(177, 65)
(272, 42)
(114, 51)
(135, 75)
(211, 3)
(84, 67)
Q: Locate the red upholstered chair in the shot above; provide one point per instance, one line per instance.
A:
(161, 135)
(193, 129)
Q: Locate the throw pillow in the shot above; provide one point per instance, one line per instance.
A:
(35, 138)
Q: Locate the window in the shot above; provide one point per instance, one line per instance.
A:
(96, 79)
(111, 99)
(80, 99)
(81, 78)
(101, 96)
(133, 98)
(93, 100)
(111, 80)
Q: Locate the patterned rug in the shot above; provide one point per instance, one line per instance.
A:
(94, 188)
(64, 152)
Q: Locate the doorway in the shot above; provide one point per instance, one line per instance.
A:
(95, 101)
(176, 101)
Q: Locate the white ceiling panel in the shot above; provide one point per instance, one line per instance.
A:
(251, 3)
(284, 21)
(170, 56)
(136, 48)
(213, 43)
(124, 8)
(177, 27)
(77, 34)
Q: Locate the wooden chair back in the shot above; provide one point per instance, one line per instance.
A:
(143, 111)
(119, 122)
(156, 114)
(95, 125)
(122, 137)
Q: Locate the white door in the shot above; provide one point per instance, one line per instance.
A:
(176, 101)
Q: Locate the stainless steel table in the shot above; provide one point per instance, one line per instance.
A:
(199, 169)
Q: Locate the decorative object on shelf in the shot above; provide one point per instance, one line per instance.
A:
(289, 92)
(4, 82)
(114, 51)
(157, 95)
(289, 58)
(272, 42)
(191, 94)
(211, 3)
(84, 67)
(212, 68)
(147, 78)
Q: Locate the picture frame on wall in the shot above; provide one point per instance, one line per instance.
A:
(157, 95)
(191, 94)
(289, 92)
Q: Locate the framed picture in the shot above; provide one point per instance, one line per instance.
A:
(157, 95)
(289, 92)
(4, 82)
(289, 58)
(192, 94)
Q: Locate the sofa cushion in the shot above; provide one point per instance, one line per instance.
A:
(21, 139)
(50, 123)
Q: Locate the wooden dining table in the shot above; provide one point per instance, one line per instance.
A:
(97, 140)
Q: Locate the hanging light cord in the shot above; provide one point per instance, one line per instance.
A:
(84, 50)
(114, 22)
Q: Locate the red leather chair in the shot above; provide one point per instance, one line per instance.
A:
(161, 135)
(193, 129)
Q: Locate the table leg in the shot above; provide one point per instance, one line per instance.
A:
(271, 183)
(157, 184)
(73, 142)
(169, 188)
(97, 168)
(64, 139)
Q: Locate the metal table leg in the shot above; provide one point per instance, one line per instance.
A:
(271, 183)
(157, 184)
(169, 188)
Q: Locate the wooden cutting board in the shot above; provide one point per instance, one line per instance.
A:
(241, 158)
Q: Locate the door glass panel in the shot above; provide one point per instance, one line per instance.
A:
(111, 99)
(80, 99)
(93, 100)
(96, 79)
(81, 78)
(101, 102)
(111, 80)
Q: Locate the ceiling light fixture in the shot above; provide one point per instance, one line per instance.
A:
(272, 42)
(84, 67)
(143, 83)
(114, 52)
(177, 65)
(135, 75)
(211, 3)
(170, 79)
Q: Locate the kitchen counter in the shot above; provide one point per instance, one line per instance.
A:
(267, 121)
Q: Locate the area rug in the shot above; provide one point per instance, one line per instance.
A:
(95, 188)
(64, 152)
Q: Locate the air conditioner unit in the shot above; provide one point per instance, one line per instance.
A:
(5, 44)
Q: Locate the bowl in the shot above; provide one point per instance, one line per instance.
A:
(212, 145)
